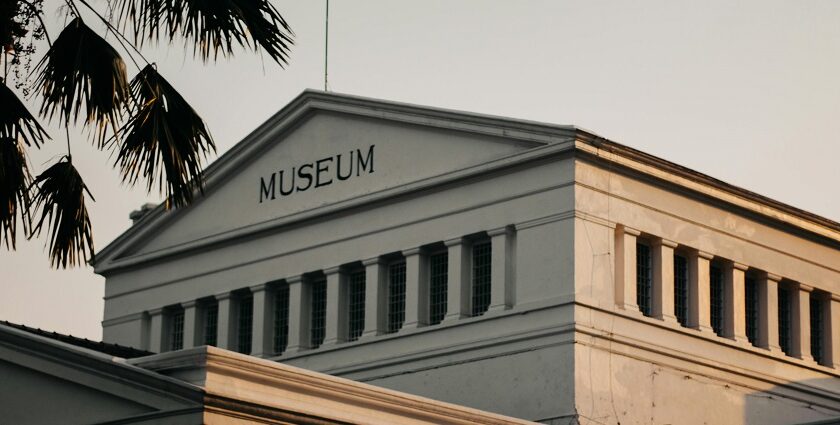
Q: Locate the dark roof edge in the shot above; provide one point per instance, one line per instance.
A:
(102, 347)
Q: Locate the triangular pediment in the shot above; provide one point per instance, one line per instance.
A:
(324, 150)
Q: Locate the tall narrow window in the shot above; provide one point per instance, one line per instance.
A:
(817, 331)
(681, 289)
(751, 309)
(644, 279)
(481, 272)
(716, 297)
(318, 329)
(281, 319)
(245, 324)
(784, 320)
(396, 296)
(438, 282)
(176, 330)
(356, 305)
(211, 322)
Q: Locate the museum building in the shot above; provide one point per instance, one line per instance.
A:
(534, 270)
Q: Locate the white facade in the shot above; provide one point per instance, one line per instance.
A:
(540, 227)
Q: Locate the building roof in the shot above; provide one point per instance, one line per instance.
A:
(102, 347)
(542, 140)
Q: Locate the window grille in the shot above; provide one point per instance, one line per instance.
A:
(716, 298)
(246, 324)
(281, 319)
(211, 323)
(396, 296)
(751, 309)
(816, 329)
(784, 320)
(644, 279)
(481, 280)
(318, 329)
(176, 331)
(356, 307)
(438, 281)
(681, 289)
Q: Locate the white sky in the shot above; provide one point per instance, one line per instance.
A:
(748, 93)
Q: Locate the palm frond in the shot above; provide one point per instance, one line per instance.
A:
(16, 123)
(14, 190)
(165, 141)
(60, 197)
(211, 26)
(81, 68)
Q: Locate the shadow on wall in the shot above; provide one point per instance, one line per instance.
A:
(810, 402)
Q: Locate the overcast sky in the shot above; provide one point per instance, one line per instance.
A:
(747, 92)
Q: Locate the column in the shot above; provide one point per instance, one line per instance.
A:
(336, 330)
(225, 325)
(625, 268)
(801, 318)
(699, 291)
(298, 320)
(261, 332)
(663, 279)
(191, 323)
(734, 304)
(832, 331)
(375, 279)
(501, 271)
(156, 331)
(458, 277)
(416, 298)
(768, 312)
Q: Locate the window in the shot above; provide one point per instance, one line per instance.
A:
(281, 319)
(245, 324)
(481, 272)
(716, 297)
(751, 309)
(396, 296)
(438, 282)
(176, 329)
(318, 321)
(681, 289)
(211, 322)
(785, 320)
(644, 279)
(817, 328)
(356, 305)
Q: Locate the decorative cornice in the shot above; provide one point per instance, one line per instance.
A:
(372, 261)
(627, 230)
(455, 242)
(740, 266)
(294, 279)
(412, 251)
(665, 242)
(332, 270)
(804, 288)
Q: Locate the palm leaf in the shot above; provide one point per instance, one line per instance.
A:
(60, 197)
(165, 141)
(81, 68)
(16, 123)
(211, 26)
(14, 189)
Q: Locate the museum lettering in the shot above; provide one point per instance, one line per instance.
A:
(322, 172)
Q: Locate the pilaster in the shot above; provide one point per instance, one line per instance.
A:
(734, 304)
(416, 299)
(375, 274)
(261, 334)
(156, 331)
(298, 316)
(768, 312)
(832, 331)
(336, 319)
(458, 291)
(801, 317)
(225, 325)
(663, 279)
(625, 268)
(699, 291)
(501, 271)
(191, 323)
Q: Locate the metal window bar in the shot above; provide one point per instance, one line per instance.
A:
(681, 289)
(785, 320)
(481, 272)
(716, 298)
(438, 282)
(318, 320)
(356, 307)
(751, 309)
(176, 332)
(245, 324)
(211, 323)
(816, 329)
(644, 279)
(396, 296)
(281, 319)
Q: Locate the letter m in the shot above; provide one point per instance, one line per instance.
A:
(266, 190)
(362, 163)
